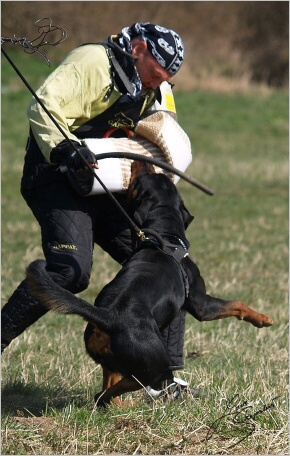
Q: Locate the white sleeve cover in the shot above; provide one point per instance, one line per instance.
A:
(110, 169)
(158, 136)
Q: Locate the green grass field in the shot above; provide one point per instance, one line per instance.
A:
(239, 239)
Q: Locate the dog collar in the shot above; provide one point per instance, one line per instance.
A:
(177, 252)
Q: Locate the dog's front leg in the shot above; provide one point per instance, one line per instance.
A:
(207, 308)
(124, 385)
(241, 311)
(109, 379)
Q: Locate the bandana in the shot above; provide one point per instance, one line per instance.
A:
(165, 45)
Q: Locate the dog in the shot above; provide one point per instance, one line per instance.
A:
(123, 330)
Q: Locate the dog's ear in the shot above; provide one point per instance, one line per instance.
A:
(140, 214)
(187, 217)
(138, 169)
(139, 198)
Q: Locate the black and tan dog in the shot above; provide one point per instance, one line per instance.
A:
(123, 333)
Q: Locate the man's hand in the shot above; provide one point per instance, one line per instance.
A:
(78, 173)
(65, 154)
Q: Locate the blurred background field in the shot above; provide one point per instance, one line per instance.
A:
(228, 44)
(238, 125)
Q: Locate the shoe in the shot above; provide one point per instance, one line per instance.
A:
(176, 389)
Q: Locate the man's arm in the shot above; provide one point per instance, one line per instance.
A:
(73, 94)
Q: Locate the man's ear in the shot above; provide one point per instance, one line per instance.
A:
(139, 48)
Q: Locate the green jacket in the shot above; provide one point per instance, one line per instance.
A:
(80, 89)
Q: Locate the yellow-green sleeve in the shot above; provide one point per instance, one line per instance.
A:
(73, 94)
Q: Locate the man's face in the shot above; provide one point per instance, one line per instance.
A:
(151, 73)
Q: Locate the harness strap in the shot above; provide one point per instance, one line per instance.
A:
(178, 253)
(175, 251)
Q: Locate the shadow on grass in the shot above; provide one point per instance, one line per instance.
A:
(19, 399)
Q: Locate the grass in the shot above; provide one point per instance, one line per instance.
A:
(239, 239)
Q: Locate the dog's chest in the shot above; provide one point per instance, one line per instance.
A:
(99, 342)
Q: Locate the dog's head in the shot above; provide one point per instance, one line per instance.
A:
(146, 357)
(153, 192)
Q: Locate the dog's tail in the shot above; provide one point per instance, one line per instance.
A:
(56, 298)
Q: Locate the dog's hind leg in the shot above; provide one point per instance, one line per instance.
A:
(124, 385)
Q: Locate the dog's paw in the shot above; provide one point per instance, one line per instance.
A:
(101, 400)
(263, 321)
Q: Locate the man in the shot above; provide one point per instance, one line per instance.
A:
(97, 87)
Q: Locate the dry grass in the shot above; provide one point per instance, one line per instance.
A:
(239, 239)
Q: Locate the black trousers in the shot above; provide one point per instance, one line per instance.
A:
(70, 226)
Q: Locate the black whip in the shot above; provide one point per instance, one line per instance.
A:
(116, 202)
(44, 28)
(29, 46)
(153, 161)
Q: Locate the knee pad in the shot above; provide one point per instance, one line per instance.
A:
(69, 275)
